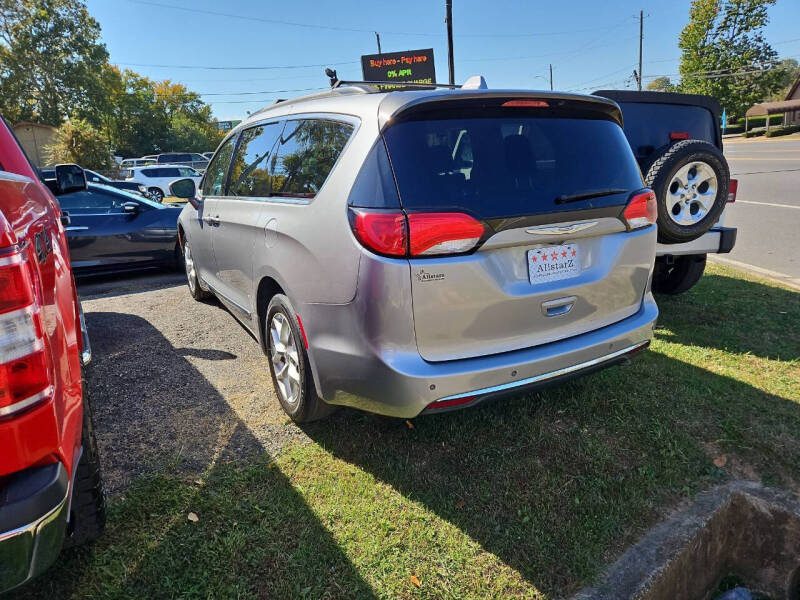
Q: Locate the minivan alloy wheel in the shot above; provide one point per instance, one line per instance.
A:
(285, 358)
(691, 193)
(188, 261)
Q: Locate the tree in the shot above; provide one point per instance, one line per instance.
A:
(50, 55)
(148, 117)
(789, 71)
(661, 84)
(76, 141)
(725, 54)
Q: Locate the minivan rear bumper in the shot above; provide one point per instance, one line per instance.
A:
(390, 381)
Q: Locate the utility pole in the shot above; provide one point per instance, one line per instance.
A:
(450, 63)
(641, 30)
(551, 77)
(378, 37)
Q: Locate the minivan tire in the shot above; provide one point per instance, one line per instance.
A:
(88, 507)
(678, 276)
(192, 279)
(660, 177)
(308, 406)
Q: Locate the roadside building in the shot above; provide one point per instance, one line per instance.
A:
(34, 137)
(793, 117)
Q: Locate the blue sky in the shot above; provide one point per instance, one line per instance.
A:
(591, 44)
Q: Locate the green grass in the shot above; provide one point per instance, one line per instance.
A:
(525, 497)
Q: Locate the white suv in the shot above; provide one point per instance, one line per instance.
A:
(157, 179)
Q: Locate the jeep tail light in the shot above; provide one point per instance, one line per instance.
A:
(24, 372)
(641, 210)
(678, 135)
(383, 232)
(733, 188)
(443, 233)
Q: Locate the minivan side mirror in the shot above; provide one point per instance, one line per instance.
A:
(185, 188)
(70, 178)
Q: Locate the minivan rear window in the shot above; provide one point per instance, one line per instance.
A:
(509, 166)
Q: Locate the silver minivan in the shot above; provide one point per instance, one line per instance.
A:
(417, 251)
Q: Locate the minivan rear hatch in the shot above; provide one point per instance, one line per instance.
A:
(549, 178)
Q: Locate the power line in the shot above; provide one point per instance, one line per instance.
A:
(209, 68)
(370, 31)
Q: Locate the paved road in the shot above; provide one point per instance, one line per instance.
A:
(767, 208)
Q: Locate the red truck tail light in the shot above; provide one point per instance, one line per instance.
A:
(443, 233)
(733, 188)
(24, 373)
(641, 210)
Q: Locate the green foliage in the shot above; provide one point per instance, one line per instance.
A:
(725, 54)
(52, 64)
(661, 84)
(761, 122)
(50, 55)
(76, 141)
(789, 73)
(148, 117)
(782, 130)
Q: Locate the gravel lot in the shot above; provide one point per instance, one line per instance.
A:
(173, 381)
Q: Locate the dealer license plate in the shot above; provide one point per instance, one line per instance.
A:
(553, 263)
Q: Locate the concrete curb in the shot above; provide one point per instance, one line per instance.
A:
(773, 276)
(740, 528)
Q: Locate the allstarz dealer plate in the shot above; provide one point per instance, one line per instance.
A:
(553, 263)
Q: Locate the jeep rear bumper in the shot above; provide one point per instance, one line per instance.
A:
(33, 521)
(719, 240)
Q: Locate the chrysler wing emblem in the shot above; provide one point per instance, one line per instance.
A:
(561, 229)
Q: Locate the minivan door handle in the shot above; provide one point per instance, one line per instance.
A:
(211, 220)
(559, 306)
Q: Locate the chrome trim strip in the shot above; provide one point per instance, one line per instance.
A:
(545, 376)
(561, 229)
(14, 259)
(31, 527)
(86, 354)
(29, 401)
(8, 175)
(77, 227)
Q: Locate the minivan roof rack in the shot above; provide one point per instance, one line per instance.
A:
(395, 84)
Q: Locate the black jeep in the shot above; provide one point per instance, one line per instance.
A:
(677, 141)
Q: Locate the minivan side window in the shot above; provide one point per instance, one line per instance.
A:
(251, 172)
(214, 179)
(308, 150)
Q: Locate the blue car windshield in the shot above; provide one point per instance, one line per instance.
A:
(128, 195)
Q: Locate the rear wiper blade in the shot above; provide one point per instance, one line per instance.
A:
(587, 195)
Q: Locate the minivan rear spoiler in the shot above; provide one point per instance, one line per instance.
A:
(402, 106)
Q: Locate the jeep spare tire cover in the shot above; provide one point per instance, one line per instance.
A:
(691, 184)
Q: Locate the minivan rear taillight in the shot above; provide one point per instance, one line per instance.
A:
(393, 233)
(642, 210)
(443, 233)
(382, 231)
(24, 373)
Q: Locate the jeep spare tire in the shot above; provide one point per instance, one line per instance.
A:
(691, 184)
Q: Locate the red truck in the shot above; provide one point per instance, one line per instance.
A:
(51, 492)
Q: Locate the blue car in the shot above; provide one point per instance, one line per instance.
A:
(112, 230)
